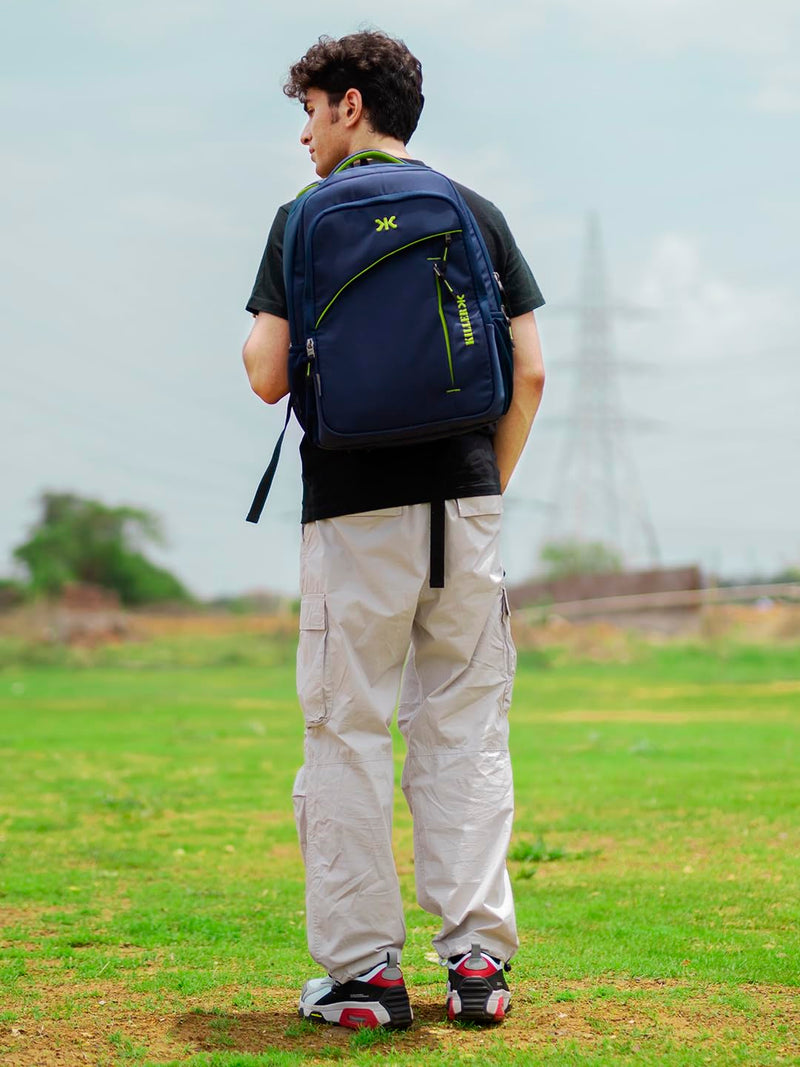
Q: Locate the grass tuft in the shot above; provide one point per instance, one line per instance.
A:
(370, 1037)
(302, 1028)
(538, 852)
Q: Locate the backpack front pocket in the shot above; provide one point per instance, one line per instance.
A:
(395, 347)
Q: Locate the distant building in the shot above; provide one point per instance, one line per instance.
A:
(651, 599)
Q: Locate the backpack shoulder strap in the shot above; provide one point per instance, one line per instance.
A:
(264, 486)
(307, 189)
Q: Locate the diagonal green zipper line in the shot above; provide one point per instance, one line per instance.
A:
(394, 252)
(444, 328)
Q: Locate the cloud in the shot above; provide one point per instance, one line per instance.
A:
(780, 93)
(770, 28)
(766, 29)
(147, 18)
(718, 433)
(709, 316)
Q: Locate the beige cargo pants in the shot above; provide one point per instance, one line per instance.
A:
(368, 618)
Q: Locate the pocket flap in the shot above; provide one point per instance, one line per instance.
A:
(480, 505)
(312, 612)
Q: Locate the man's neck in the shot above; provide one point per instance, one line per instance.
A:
(378, 143)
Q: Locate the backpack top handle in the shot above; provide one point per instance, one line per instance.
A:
(375, 154)
(381, 157)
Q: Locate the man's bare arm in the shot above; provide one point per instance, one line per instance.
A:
(266, 357)
(515, 425)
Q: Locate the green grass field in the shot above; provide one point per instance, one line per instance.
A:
(151, 886)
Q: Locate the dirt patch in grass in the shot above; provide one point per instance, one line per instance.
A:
(109, 1025)
(32, 919)
(24, 915)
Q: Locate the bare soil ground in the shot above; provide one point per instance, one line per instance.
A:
(646, 1012)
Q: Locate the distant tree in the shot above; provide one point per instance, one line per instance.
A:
(11, 593)
(81, 540)
(789, 574)
(565, 559)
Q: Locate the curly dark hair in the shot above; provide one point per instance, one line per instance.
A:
(381, 67)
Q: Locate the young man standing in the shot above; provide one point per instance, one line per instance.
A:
(370, 618)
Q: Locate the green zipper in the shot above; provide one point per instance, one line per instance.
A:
(446, 333)
(440, 277)
(394, 252)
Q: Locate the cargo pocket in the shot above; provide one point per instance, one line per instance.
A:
(509, 648)
(473, 507)
(313, 683)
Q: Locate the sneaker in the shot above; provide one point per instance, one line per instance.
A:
(377, 997)
(476, 987)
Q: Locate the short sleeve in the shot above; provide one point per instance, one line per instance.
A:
(269, 291)
(522, 294)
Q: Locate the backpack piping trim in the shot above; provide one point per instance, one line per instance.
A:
(369, 267)
(307, 189)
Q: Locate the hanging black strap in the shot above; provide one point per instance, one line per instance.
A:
(437, 544)
(264, 486)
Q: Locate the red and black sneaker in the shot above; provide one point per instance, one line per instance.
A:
(476, 988)
(377, 997)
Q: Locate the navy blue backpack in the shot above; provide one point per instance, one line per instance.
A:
(397, 325)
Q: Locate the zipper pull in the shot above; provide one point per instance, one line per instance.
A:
(311, 355)
(448, 240)
(441, 274)
(441, 266)
(502, 297)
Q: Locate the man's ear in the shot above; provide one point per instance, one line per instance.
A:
(351, 108)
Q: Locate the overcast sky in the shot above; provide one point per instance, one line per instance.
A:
(146, 147)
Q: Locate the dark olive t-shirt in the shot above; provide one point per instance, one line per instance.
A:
(345, 482)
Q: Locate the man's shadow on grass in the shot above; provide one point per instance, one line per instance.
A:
(257, 1031)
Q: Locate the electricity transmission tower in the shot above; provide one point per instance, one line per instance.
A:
(597, 493)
